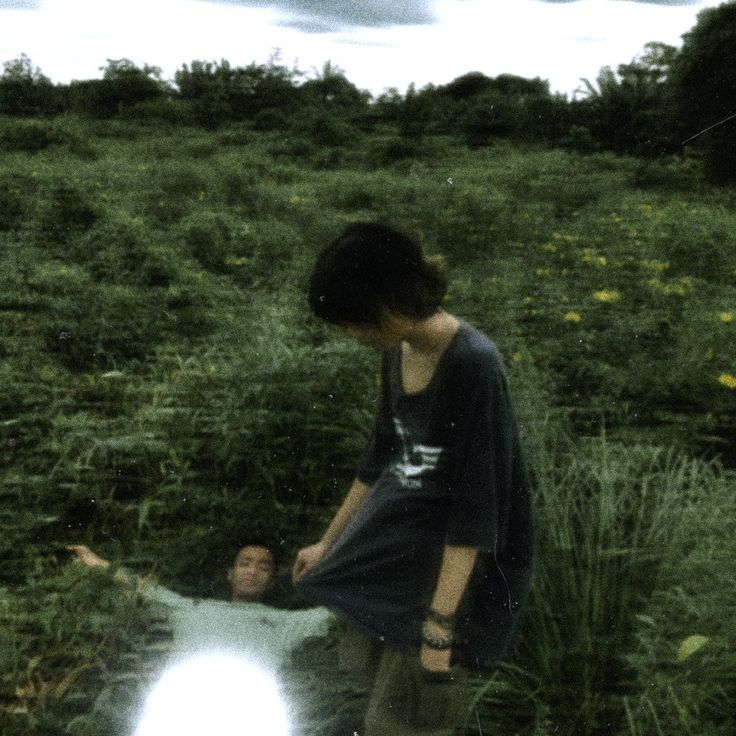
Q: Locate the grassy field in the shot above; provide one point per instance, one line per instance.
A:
(166, 394)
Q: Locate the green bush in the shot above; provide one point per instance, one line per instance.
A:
(15, 191)
(106, 326)
(29, 136)
(69, 642)
(614, 524)
(66, 211)
(166, 393)
(684, 655)
(119, 251)
(175, 188)
(208, 237)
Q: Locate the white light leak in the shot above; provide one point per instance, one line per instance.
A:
(217, 695)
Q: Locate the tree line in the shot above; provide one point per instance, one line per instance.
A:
(650, 107)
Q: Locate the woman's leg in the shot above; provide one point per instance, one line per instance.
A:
(358, 655)
(407, 700)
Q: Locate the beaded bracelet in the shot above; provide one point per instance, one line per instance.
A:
(435, 642)
(446, 622)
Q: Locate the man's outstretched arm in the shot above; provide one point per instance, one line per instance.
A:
(82, 553)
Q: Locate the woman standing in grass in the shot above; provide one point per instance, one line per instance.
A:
(429, 556)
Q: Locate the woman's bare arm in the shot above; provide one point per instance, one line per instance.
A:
(308, 557)
(455, 571)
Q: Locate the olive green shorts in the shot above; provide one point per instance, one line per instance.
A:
(406, 699)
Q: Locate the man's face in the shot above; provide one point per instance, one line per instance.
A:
(251, 574)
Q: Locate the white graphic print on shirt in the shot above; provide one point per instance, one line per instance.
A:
(416, 460)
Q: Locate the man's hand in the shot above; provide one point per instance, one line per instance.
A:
(86, 556)
(306, 559)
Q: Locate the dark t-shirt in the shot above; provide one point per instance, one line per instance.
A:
(445, 467)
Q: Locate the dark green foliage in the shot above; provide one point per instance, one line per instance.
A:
(67, 211)
(30, 136)
(24, 90)
(99, 326)
(219, 93)
(167, 395)
(332, 91)
(631, 111)
(209, 238)
(325, 128)
(704, 84)
(177, 185)
(613, 525)
(74, 654)
(384, 152)
(118, 251)
(123, 86)
(240, 189)
(16, 189)
(270, 119)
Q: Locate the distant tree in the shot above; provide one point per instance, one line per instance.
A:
(24, 90)
(467, 85)
(485, 116)
(206, 86)
(507, 106)
(704, 86)
(123, 86)
(418, 112)
(332, 89)
(387, 106)
(260, 87)
(630, 111)
(220, 92)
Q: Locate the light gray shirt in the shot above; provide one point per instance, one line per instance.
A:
(261, 634)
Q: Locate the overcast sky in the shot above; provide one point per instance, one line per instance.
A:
(378, 43)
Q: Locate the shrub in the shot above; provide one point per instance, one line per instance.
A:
(325, 129)
(15, 190)
(29, 136)
(65, 211)
(70, 642)
(683, 658)
(208, 237)
(105, 326)
(241, 189)
(270, 119)
(118, 250)
(613, 522)
(176, 186)
(387, 151)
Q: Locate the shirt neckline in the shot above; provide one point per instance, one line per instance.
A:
(439, 368)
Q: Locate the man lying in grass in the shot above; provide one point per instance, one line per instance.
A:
(243, 625)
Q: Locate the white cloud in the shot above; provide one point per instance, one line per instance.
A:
(557, 41)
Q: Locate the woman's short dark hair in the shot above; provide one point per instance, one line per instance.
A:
(371, 267)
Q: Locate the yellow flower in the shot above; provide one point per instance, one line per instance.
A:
(656, 266)
(236, 261)
(606, 295)
(544, 272)
(727, 379)
(517, 357)
(572, 317)
(727, 316)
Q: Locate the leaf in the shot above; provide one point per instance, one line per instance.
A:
(691, 645)
(648, 620)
